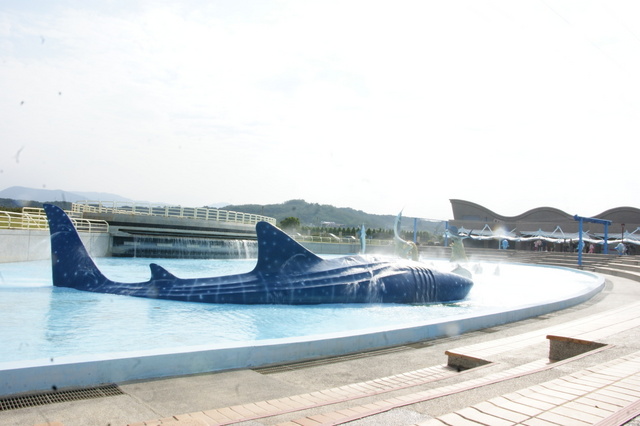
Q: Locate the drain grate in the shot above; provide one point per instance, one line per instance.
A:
(326, 361)
(26, 401)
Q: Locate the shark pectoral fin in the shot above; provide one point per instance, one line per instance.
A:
(463, 272)
(159, 273)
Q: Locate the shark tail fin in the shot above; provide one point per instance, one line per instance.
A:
(70, 262)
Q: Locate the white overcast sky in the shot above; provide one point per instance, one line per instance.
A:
(379, 106)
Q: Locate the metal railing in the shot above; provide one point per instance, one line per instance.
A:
(338, 240)
(14, 220)
(148, 209)
(34, 218)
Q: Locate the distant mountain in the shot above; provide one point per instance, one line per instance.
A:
(218, 205)
(42, 195)
(313, 214)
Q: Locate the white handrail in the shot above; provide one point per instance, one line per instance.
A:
(343, 240)
(149, 209)
(13, 220)
(35, 218)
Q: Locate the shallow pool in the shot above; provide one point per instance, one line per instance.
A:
(40, 321)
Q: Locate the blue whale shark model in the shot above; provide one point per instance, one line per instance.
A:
(286, 273)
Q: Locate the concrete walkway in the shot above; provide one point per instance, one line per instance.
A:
(404, 385)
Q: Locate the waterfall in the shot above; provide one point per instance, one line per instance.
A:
(187, 248)
(243, 249)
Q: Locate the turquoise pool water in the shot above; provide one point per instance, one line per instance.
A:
(39, 321)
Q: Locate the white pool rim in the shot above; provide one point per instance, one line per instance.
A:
(91, 370)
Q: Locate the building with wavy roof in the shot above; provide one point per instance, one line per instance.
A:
(479, 220)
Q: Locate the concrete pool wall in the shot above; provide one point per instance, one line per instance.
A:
(81, 371)
(21, 245)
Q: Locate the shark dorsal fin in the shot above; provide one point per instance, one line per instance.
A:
(159, 273)
(278, 251)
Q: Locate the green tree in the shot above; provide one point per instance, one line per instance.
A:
(290, 223)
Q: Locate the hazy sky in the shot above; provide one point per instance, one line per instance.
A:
(373, 105)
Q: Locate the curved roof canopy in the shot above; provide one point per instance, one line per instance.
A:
(479, 223)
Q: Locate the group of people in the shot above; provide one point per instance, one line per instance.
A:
(622, 249)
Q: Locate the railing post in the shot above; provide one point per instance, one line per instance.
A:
(446, 234)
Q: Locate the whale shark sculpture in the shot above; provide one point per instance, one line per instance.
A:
(285, 273)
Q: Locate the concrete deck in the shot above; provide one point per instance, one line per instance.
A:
(514, 384)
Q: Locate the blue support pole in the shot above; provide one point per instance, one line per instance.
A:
(604, 222)
(415, 230)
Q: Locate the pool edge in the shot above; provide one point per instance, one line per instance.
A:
(80, 371)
